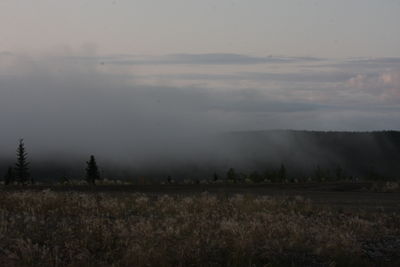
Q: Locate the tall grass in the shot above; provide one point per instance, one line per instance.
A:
(98, 229)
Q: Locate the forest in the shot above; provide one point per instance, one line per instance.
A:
(279, 156)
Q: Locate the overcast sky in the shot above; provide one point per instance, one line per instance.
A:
(340, 28)
(157, 73)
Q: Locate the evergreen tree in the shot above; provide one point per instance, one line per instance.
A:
(215, 177)
(339, 173)
(256, 177)
(270, 175)
(320, 175)
(22, 165)
(282, 173)
(169, 179)
(231, 175)
(9, 177)
(92, 171)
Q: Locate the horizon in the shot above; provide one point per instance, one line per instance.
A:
(146, 75)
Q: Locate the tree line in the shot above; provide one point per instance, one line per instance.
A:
(281, 175)
(20, 173)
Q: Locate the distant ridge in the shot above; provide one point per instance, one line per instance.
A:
(315, 131)
(360, 153)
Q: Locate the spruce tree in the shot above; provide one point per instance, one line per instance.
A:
(319, 174)
(215, 177)
(92, 171)
(256, 177)
(231, 175)
(339, 173)
(282, 173)
(169, 179)
(22, 165)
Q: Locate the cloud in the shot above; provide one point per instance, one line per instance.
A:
(197, 59)
(78, 106)
(365, 64)
(299, 77)
(6, 53)
(385, 60)
(385, 85)
(391, 82)
(363, 81)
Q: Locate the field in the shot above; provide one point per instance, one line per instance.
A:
(200, 225)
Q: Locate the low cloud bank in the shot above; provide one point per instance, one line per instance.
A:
(64, 105)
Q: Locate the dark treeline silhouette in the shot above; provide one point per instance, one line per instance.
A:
(273, 156)
(92, 171)
(20, 173)
(367, 155)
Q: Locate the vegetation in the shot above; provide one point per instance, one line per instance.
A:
(231, 175)
(45, 228)
(92, 171)
(98, 229)
(265, 157)
(22, 165)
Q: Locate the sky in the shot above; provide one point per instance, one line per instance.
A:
(79, 74)
(335, 29)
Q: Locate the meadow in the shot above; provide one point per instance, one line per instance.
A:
(95, 228)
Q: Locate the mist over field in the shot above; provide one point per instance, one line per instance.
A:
(200, 133)
(68, 105)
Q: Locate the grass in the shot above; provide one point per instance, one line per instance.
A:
(49, 228)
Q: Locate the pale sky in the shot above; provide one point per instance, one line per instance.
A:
(320, 28)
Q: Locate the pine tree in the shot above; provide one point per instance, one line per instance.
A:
(231, 175)
(319, 174)
(282, 173)
(256, 177)
(339, 173)
(215, 177)
(92, 171)
(22, 165)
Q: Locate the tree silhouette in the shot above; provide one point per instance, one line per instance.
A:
(282, 173)
(231, 175)
(92, 171)
(215, 177)
(339, 173)
(169, 179)
(9, 177)
(256, 177)
(22, 165)
(319, 174)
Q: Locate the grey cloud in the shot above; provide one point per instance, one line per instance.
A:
(265, 106)
(76, 108)
(385, 60)
(6, 53)
(198, 59)
(364, 64)
(303, 77)
(73, 108)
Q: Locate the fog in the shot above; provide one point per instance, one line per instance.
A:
(58, 106)
(67, 108)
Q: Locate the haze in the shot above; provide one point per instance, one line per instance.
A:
(145, 79)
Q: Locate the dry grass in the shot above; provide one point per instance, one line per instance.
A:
(97, 229)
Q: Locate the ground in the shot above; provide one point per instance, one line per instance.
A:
(330, 224)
